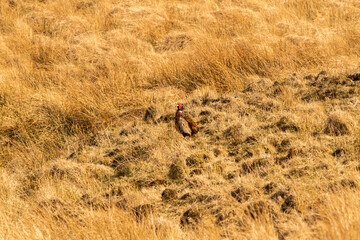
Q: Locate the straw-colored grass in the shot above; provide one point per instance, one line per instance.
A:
(277, 156)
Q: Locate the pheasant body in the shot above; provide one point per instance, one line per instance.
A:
(184, 124)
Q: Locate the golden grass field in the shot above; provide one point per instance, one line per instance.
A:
(88, 93)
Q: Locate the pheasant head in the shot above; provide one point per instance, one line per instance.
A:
(179, 106)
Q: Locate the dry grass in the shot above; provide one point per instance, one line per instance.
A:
(278, 153)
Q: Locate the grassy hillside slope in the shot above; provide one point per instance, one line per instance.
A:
(274, 86)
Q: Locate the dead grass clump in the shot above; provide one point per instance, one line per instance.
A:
(234, 134)
(251, 140)
(257, 209)
(290, 154)
(217, 152)
(269, 187)
(241, 194)
(263, 103)
(85, 5)
(64, 170)
(225, 217)
(280, 195)
(142, 212)
(324, 87)
(177, 171)
(338, 124)
(191, 218)
(149, 182)
(150, 115)
(133, 154)
(298, 172)
(168, 195)
(124, 170)
(339, 153)
(167, 118)
(348, 183)
(354, 77)
(205, 113)
(115, 191)
(30, 184)
(257, 164)
(289, 204)
(286, 124)
(283, 146)
(140, 152)
(198, 159)
(343, 183)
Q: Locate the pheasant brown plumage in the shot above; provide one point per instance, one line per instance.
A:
(184, 124)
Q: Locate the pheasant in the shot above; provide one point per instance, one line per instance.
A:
(184, 124)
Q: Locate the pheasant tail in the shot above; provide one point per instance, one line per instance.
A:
(194, 127)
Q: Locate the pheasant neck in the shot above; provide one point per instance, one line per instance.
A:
(179, 113)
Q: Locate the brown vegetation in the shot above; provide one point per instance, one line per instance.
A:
(88, 146)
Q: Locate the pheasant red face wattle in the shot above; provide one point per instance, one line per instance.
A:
(179, 106)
